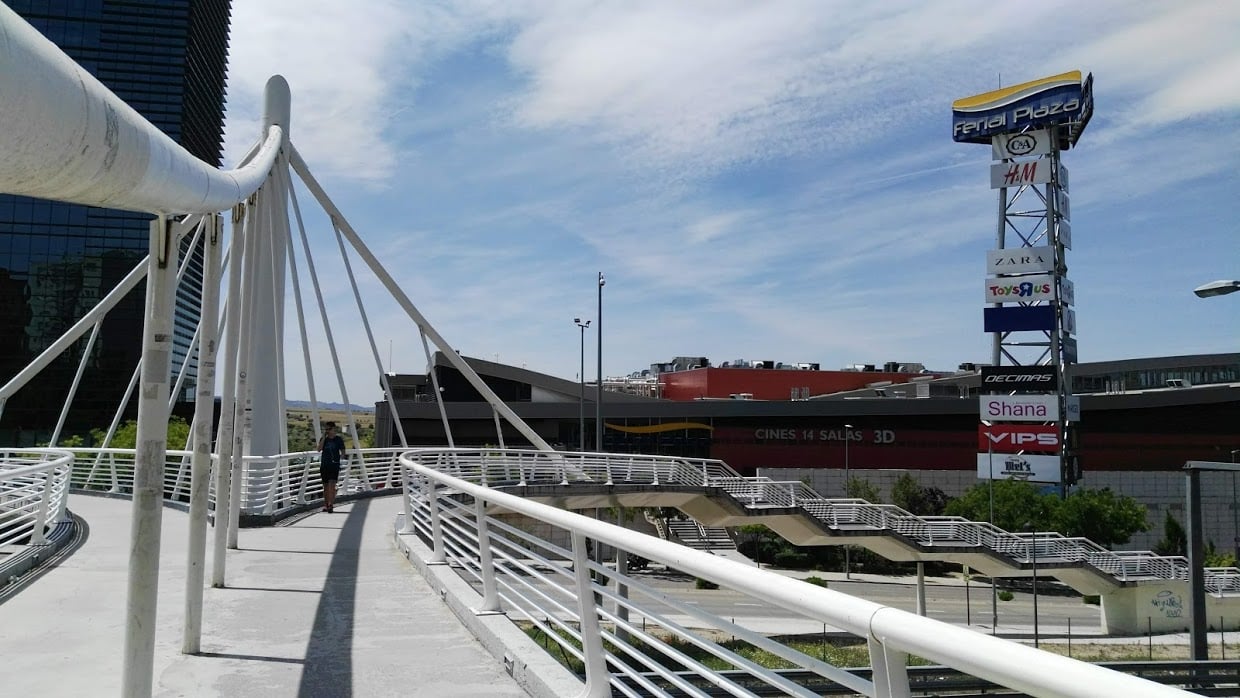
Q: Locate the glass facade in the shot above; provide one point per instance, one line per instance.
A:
(1157, 376)
(166, 59)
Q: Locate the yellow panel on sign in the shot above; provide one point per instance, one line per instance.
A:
(994, 98)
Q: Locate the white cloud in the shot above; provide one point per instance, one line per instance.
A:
(770, 180)
(342, 62)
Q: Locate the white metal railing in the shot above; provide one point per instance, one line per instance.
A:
(493, 467)
(34, 489)
(272, 484)
(631, 639)
(269, 484)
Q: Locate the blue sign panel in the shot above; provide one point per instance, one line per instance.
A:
(1058, 99)
(1019, 318)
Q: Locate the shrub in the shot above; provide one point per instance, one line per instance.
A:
(817, 581)
(791, 559)
(704, 584)
(1091, 599)
(1005, 595)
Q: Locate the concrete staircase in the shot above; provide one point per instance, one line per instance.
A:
(699, 537)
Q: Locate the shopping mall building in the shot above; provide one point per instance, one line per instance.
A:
(1141, 420)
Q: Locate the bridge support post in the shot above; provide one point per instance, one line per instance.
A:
(438, 555)
(226, 433)
(598, 680)
(37, 536)
(1196, 571)
(200, 461)
(486, 562)
(148, 477)
(890, 670)
(921, 588)
(406, 491)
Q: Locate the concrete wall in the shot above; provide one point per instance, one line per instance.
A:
(1160, 492)
(1164, 608)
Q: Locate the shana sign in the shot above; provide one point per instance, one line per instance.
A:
(1019, 408)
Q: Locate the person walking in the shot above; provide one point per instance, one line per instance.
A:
(331, 448)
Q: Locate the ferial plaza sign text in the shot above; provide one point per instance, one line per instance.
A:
(1050, 100)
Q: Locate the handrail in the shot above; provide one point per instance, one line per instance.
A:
(294, 482)
(34, 491)
(67, 137)
(756, 494)
(892, 634)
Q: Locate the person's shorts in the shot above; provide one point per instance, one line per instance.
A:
(329, 473)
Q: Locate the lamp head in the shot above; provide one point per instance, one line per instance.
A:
(1221, 287)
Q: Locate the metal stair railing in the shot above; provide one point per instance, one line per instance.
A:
(758, 493)
(626, 635)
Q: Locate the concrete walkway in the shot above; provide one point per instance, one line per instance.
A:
(324, 606)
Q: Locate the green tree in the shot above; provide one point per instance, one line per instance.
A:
(1101, 516)
(910, 496)
(1174, 540)
(126, 435)
(1017, 504)
(857, 488)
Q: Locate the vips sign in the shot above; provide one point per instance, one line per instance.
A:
(1019, 408)
(1019, 379)
(1014, 438)
(998, 466)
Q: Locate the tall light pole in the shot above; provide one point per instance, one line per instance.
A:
(847, 549)
(598, 402)
(1235, 516)
(581, 400)
(990, 465)
(1033, 556)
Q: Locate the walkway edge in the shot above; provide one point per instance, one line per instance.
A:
(535, 671)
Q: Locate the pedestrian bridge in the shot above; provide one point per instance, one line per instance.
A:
(67, 138)
(455, 507)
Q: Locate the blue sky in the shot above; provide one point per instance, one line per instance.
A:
(760, 180)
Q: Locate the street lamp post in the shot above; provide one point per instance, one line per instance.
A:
(847, 549)
(1235, 516)
(598, 402)
(1033, 556)
(990, 465)
(581, 400)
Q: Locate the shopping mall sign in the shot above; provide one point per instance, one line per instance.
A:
(1058, 99)
(997, 466)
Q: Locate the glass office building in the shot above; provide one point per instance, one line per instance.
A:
(166, 59)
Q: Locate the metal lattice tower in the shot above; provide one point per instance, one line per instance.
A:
(1028, 126)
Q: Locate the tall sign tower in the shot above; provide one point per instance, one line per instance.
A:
(1027, 408)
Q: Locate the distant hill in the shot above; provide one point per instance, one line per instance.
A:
(333, 406)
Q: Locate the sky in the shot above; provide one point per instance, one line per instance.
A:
(756, 180)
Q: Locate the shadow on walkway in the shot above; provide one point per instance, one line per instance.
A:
(328, 670)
